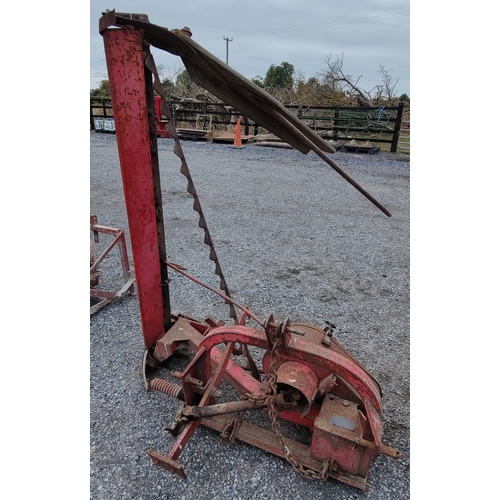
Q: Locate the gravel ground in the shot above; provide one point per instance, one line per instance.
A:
(294, 239)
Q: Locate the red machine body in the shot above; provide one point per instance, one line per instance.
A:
(302, 374)
(161, 122)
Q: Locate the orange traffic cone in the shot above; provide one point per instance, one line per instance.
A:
(237, 137)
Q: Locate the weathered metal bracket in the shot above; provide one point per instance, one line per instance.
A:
(106, 296)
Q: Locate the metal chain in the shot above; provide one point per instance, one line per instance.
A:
(229, 432)
(269, 395)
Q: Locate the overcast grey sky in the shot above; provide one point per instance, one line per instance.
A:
(368, 34)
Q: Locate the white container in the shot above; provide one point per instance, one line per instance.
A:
(109, 125)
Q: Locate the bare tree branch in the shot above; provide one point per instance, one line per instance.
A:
(335, 77)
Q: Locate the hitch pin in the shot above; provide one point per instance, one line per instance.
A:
(288, 329)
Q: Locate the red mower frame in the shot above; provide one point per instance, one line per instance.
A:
(305, 376)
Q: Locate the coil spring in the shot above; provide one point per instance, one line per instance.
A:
(173, 390)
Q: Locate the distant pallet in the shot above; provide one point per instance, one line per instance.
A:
(192, 134)
(354, 147)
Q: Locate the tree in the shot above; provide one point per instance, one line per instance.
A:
(104, 90)
(168, 86)
(385, 93)
(258, 81)
(184, 86)
(404, 98)
(279, 81)
(280, 76)
(335, 78)
(313, 92)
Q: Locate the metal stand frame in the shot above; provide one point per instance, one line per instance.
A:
(106, 296)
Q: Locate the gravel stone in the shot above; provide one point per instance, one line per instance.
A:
(293, 239)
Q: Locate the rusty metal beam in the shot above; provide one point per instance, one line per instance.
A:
(266, 440)
(124, 58)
